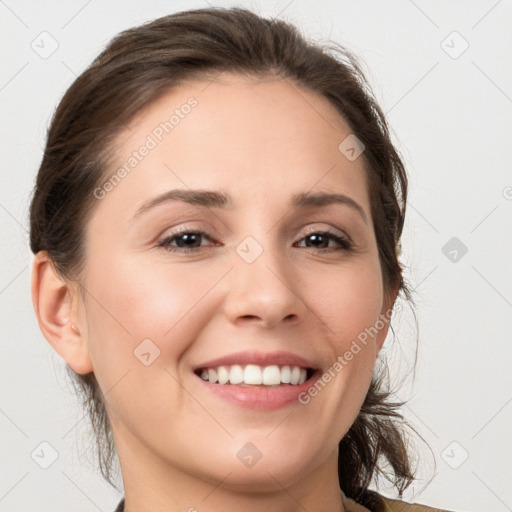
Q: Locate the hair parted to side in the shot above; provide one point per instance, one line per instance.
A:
(136, 68)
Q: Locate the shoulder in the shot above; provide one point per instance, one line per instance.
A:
(375, 502)
(404, 506)
(392, 505)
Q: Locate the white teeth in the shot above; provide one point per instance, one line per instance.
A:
(212, 375)
(236, 374)
(222, 374)
(252, 375)
(271, 375)
(255, 375)
(286, 374)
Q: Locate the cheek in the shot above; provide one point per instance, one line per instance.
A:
(348, 300)
(349, 303)
(141, 322)
(135, 308)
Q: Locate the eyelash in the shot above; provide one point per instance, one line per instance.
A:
(344, 243)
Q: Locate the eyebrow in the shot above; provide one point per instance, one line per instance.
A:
(214, 199)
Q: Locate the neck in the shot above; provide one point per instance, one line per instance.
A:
(151, 483)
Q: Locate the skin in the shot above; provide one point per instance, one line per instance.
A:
(260, 141)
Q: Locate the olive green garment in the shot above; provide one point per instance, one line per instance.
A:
(382, 504)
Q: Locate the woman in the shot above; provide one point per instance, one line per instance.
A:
(216, 224)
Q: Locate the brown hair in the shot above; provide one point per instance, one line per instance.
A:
(136, 68)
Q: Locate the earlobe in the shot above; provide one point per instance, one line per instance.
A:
(53, 304)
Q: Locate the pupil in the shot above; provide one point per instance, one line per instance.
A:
(317, 238)
(189, 239)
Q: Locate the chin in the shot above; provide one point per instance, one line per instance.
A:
(262, 465)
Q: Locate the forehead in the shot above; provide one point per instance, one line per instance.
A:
(253, 137)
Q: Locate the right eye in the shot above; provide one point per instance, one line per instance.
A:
(186, 241)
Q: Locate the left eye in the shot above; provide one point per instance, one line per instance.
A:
(190, 241)
(320, 238)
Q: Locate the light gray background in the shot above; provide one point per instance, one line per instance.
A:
(451, 115)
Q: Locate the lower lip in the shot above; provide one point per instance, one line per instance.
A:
(260, 398)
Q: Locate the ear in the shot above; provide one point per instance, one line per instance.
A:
(384, 318)
(55, 307)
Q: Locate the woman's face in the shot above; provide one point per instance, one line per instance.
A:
(247, 276)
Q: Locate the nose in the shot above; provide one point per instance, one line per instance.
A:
(264, 293)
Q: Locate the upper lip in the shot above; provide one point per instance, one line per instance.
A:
(259, 358)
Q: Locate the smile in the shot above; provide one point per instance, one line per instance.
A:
(255, 375)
